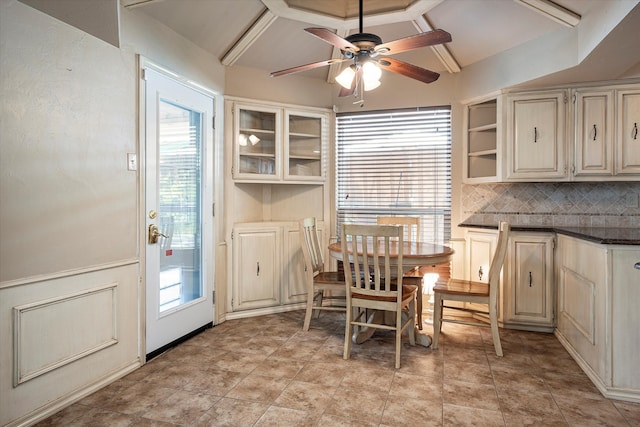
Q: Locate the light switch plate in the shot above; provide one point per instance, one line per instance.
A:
(132, 161)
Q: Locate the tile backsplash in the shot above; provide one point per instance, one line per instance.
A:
(601, 204)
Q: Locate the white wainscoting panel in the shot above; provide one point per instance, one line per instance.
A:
(88, 317)
(64, 336)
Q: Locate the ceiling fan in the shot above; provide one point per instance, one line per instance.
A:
(368, 53)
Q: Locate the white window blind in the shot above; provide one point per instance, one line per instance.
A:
(396, 162)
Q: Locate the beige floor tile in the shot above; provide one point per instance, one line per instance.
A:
(580, 410)
(401, 411)
(266, 371)
(630, 411)
(465, 416)
(182, 407)
(258, 388)
(279, 417)
(482, 396)
(308, 397)
(232, 412)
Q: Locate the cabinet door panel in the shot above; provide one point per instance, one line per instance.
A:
(535, 136)
(594, 134)
(628, 159)
(256, 264)
(530, 280)
(481, 247)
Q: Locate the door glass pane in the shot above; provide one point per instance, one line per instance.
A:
(179, 178)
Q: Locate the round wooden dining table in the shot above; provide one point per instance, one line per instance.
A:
(414, 255)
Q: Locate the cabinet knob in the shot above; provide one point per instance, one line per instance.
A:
(595, 132)
(257, 268)
(480, 273)
(530, 279)
(535, 134)
(637, 265)
(634, 131)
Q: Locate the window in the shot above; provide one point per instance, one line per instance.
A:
(396, 162)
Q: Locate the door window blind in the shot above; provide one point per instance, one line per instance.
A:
(396, 162)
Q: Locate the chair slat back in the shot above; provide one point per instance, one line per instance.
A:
(369, 270)
(311, 247)
(411, 226)
(498, 260)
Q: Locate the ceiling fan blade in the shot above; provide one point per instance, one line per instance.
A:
(408, 70)
(307, 67)
(429, 38)
(354, 85)
(333, 38)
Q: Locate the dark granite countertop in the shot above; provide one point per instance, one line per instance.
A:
(602, 235)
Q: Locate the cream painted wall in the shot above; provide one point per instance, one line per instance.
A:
(69, 206)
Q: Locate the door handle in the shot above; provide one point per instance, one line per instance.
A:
(154, 234)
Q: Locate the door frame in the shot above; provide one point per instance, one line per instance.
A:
(212, 174)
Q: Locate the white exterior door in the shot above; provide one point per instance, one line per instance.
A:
(178, 183)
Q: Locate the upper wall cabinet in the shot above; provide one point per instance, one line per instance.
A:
(482, 161)
(628, 140)
(274, 144)
(535, 137)
(594, 148)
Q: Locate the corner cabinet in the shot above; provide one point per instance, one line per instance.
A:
(279, 145)
(268, 267)
(536, 134)
(483, 124)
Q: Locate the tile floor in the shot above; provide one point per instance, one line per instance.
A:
(265, 371)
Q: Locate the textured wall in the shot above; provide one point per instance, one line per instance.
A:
(604, 204)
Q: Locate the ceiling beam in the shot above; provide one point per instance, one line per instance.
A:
(553, 11)
(440, 50)
(256, 29)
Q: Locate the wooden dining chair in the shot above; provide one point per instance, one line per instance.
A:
(374, 282)
(414, 276)
(324, 288)
(468, 291)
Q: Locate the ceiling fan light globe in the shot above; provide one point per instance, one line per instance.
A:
(371, 72)
(371, 84)
(345, 78)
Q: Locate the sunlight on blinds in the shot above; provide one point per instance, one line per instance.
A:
(396, 162)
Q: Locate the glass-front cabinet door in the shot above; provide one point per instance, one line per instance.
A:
(304, 148)
(257, 143)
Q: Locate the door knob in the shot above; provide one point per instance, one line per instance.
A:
(154, 233)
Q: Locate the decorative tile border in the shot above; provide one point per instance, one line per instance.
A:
(602, 204)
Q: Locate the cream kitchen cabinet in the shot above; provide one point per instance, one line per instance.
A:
(256, 266)
(594, 133)
(628, 139)
(268, 266)
(526, 295)
(275, 144)
(535, 136)
(528, 286)
(598, 316)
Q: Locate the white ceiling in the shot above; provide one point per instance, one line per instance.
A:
(479, 28)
